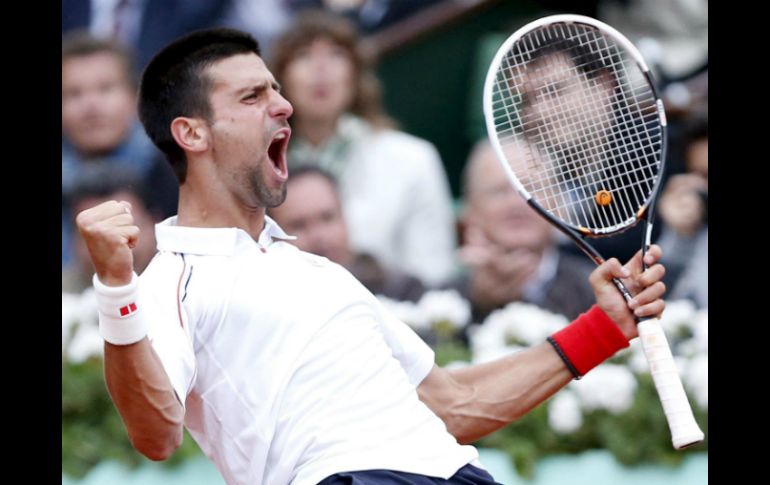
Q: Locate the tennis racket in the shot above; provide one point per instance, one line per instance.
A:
(572, 98)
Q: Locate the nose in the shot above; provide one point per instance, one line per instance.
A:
(88, 100)
(280, 107)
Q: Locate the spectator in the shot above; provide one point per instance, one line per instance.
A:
(510, 249)
(393, 186)
(313, 213)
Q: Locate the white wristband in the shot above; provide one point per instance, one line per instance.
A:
(120, 320)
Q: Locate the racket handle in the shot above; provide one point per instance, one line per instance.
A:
(622, 288)
(684, 430)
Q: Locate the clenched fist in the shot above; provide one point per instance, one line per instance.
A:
(110, 233)
(645, 286)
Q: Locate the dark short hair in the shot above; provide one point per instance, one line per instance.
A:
(174, 84)
(584, 59)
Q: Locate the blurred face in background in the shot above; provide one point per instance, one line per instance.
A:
(559, 106)
(98, 102)
(312, 212)
(494, 206)
(320, 80)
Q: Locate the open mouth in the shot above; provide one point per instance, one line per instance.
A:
(276, 152)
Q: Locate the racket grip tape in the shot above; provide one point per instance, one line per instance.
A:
(684, 430)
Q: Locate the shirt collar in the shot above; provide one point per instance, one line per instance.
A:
(212, 241)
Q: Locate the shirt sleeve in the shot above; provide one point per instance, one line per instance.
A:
(414, 355)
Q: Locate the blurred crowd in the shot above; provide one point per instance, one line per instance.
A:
(363, 192)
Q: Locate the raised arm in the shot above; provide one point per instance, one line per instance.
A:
(477, 400)
(136, 380)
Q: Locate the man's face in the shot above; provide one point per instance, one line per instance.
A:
(561, 105)
(320, 80)
(98, 102)
(249, 130)
(496, 207)
(312, 212)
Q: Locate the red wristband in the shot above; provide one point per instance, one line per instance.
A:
(590, 340)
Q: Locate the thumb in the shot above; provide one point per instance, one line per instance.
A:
(607, 271)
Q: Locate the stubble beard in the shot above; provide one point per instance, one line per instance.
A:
(266, 197)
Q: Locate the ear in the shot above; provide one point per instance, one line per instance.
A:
(191, 134)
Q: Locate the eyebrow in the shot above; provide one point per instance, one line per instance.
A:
(258, 88)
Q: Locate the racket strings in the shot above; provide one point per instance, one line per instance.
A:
(591, 142)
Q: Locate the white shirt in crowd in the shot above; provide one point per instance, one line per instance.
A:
(395, 196)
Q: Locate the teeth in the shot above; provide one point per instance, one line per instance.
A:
(280, 136)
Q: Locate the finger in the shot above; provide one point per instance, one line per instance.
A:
(127, 205)
(112, 208)
(106, 234)
(607, 271)
(103, 211)
(131, 235)
(653, 309)
(652, 255)
(653, 274)
(106, 229)
(124, 219)
(647, 296)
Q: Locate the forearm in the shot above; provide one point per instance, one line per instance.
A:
(144, 397)
(480, 399)
(483, 398)
(136, 379)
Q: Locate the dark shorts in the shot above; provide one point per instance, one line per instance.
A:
(467, 475)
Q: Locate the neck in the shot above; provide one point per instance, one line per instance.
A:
(201, 205)
(315, 131)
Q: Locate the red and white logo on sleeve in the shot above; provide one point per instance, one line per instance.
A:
(128, 310)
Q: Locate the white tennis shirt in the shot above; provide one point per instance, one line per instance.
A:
(290, 370)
